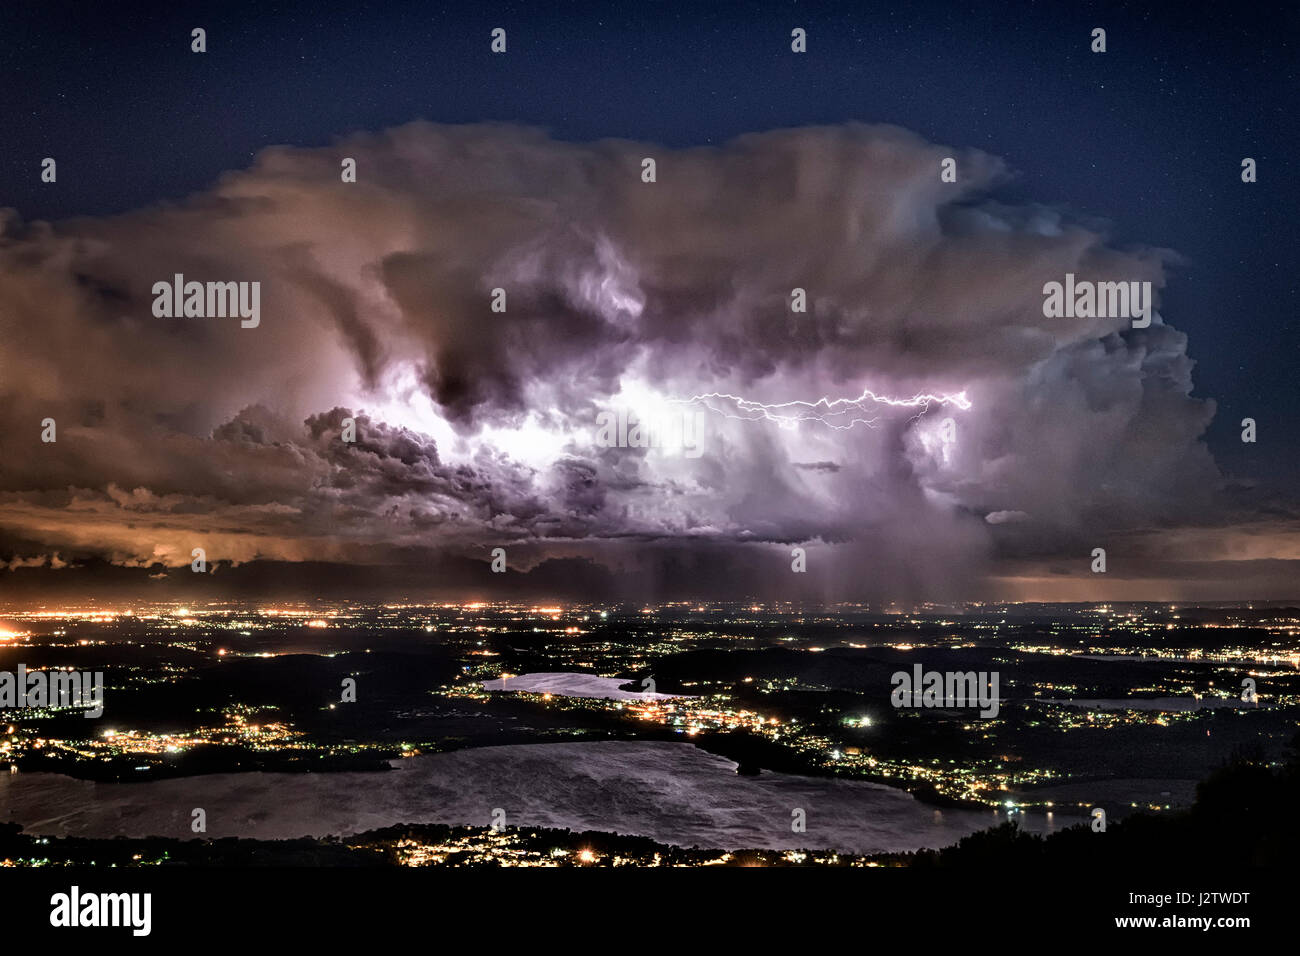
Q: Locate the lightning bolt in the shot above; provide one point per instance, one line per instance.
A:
(839, 413)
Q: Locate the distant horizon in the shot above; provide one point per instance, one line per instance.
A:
(557, 605)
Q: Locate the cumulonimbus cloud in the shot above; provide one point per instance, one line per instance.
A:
(476, 427)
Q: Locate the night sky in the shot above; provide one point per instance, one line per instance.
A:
(1143, 143)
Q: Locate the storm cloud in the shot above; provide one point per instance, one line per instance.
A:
(478, 428)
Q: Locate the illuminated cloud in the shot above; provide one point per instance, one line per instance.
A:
(478, 428)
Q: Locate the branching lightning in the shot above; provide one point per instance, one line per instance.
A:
(839, 413)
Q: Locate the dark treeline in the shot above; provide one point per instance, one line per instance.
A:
(1244, 815)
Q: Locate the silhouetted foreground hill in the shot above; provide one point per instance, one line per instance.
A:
(1244, 815)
